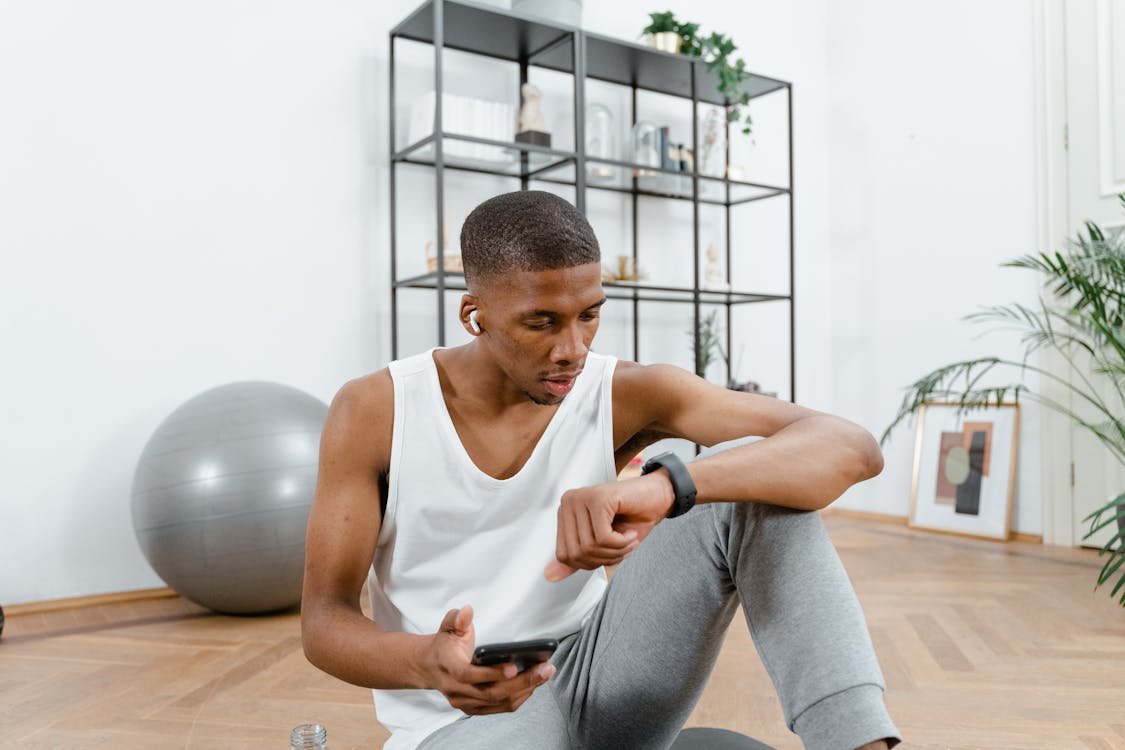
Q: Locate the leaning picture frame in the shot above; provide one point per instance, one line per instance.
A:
(965, 469)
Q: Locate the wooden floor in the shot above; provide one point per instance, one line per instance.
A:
(983, 644)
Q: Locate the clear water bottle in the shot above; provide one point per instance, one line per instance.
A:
(308, 737)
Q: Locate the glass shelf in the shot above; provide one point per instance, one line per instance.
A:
(509, 35)
(610, 174)
(473, 154)
(623, 290)
(503, 158)
(494, 32)
(631, 64)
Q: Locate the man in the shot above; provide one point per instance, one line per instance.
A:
(475, 489)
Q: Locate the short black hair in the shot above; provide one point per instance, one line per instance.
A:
(528, 230)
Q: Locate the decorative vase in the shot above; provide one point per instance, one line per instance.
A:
(600, 142)
(665, 41)
(712, 126)
(646, 147)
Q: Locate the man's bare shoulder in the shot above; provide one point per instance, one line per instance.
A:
(642, 394)
(361, 420)
(366, 394)
(633, 382)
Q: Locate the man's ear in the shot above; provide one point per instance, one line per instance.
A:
(469, 315)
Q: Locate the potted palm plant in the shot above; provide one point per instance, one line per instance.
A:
(1082, 319)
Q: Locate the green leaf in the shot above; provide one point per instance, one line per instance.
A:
(661, 22)
(716, 50)
(1116, 502)
(1112, 564)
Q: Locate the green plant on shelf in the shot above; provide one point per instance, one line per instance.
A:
(710, 343)
(711, 350)
(717, 52)
(662, 23)
(1082, 321)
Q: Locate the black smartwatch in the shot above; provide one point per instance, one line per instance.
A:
(682, 485)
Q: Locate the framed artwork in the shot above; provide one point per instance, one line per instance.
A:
(965, 469)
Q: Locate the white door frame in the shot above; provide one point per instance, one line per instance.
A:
(1051, 179)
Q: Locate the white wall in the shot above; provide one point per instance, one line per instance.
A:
(932, 153)
(192, 194)
(188, 195)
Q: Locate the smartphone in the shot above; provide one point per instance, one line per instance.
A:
(524, 654)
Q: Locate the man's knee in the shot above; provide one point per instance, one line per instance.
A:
(744, 518)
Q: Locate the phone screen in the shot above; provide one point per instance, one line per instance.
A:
(524, 654)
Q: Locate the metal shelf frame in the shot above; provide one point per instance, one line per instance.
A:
(533, 42)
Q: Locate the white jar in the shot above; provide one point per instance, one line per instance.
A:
(568, 12)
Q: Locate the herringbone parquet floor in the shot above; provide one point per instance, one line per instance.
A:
(983, 644)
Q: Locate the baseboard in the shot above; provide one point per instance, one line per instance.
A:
(863, 515)
(94, 600)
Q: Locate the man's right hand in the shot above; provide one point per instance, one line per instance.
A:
(469, 688)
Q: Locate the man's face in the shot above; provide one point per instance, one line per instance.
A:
(539, 326)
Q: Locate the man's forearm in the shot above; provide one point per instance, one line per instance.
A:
(347, 645)
(806, 465)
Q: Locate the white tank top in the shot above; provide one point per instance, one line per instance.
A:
(453, 535)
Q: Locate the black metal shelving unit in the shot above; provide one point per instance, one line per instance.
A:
(533, 42)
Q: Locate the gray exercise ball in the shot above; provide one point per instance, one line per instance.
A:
(221, 495)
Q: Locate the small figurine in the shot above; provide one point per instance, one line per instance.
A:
(531, 126)
(712, 273)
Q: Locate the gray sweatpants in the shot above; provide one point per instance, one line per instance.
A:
(632, 675)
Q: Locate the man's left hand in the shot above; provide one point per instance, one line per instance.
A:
(603, 524)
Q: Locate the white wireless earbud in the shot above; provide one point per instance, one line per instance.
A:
(473, 321)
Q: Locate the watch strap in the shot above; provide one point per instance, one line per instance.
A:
(682, 485)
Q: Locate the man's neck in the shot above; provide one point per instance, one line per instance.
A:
(472, 379)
